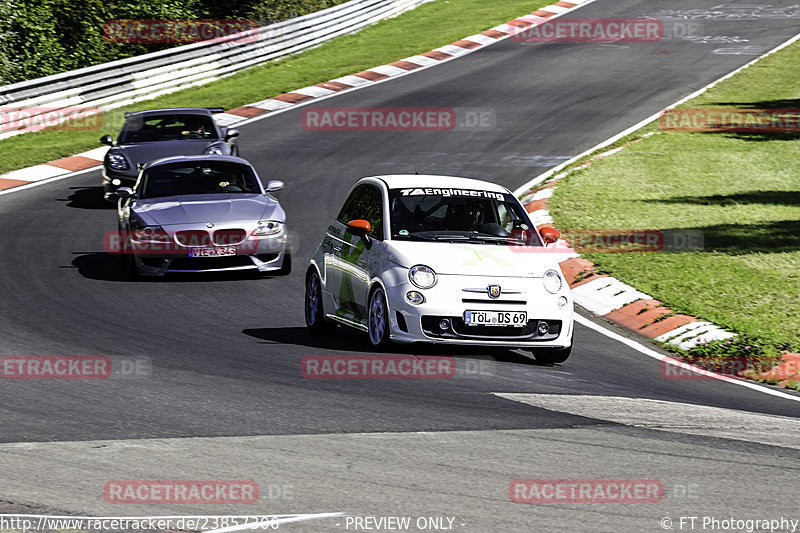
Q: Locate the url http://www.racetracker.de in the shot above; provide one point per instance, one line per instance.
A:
(35, 523)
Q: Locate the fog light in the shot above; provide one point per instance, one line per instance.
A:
(562, 302)
(415, 297)
(444, 324)
(543, 328)
(116, 182)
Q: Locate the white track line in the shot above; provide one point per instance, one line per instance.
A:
(48, 180)
(255, 525)
(542, 177)
(661, 357)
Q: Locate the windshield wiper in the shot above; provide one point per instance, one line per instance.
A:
(490, 238)
(439, 237)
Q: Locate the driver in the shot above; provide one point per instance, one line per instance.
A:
(467, 217)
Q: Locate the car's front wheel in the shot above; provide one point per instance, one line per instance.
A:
(378, 319)
(129, 268)
(315, 314)
(553, 357)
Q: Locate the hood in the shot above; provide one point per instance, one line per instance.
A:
(146, 152)
(202, 208)
(475, 259)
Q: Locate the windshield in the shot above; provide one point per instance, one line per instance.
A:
(206, 177)
(460, 215)
(167, 127)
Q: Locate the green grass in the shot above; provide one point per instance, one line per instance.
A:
(741, 190)
(417, 31)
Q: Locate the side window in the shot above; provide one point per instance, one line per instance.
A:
(346, 214)
(369, 206)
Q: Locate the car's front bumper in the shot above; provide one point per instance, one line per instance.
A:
(265, 255)
(113, 180)
(448, 300)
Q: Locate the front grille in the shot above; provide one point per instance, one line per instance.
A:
(458, 329)
(229, 237)
(193, 237)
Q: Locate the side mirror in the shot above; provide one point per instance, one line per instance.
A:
(359, 228)
(274, 185)
(231, 134)
(106, 139)
(124, 192)
(550, 235)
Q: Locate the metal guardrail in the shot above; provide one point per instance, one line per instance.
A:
(125, 81)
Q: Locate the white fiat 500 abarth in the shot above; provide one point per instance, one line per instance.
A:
(440, 259)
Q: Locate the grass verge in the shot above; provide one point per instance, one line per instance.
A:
(741, 190)
(417, 31)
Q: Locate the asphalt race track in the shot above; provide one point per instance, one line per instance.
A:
(225, 351)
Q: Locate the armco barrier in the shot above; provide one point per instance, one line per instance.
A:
(125, 81)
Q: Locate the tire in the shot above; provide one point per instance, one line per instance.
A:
(378, 319)
(130, 271)
(286, 266)
(315, 314)
(553, 357)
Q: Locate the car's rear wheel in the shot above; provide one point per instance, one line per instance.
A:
(315, 314)
(378, 319)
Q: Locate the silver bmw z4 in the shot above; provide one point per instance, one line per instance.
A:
(202, 213)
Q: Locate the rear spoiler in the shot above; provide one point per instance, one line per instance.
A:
(209, 109)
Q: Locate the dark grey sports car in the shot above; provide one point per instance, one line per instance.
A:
(202, 213)
(156, 133)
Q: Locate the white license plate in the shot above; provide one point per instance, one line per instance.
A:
(212, 252)
(495, 318)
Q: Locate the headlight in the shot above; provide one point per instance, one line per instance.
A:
(414, 297)
(117, 161)
(552, 281)
(214, 150)
(268, 227)
(150, 234)
(422, 276)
